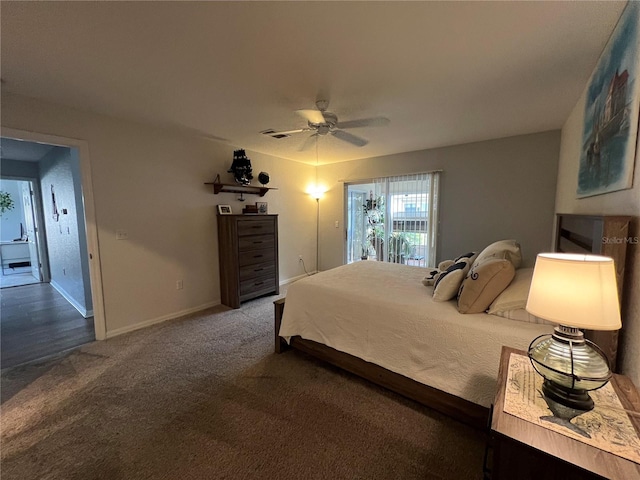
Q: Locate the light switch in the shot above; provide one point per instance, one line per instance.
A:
(122, 235)
(337, 224)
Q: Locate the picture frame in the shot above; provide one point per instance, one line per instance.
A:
(263, 208)
(224, 210)
(612, 105)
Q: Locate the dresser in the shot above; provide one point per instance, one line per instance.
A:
(248, 252)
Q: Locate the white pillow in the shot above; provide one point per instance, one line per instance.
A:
(522, 315)
(515, 295)
(509, 249)
(446, 286)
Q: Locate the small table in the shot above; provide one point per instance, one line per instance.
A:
(522, 450)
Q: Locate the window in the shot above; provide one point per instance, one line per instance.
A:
(394, 219)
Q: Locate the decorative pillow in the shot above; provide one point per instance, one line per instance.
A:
(432, 277)
(448, 283)
(509, 249)
(515, 295)
(471, 256)
(443, 265)
(484, 283)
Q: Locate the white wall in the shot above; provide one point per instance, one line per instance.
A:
(149, 182)
(490, 190)
(623, 202)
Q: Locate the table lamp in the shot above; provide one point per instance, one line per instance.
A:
(576, 291)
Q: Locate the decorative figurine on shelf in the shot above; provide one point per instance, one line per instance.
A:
(263, 178)
(241, 168)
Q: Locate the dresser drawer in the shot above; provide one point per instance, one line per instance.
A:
(255, 227)
(255, 242)
(258, 270)
(255, 285)
(257, 256)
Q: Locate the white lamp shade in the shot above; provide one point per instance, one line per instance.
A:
(575, 290)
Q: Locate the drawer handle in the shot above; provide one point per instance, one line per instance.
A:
(256, 226)
(258, 283)
(258, 241)
(258, 256)
(258, 269)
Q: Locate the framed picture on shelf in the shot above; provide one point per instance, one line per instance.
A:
(224, 210)
(262, 208)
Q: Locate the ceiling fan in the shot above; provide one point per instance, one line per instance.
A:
(321, 122)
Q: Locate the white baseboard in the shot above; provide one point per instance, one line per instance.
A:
(164, 318)
(295, 279)
(81, 308)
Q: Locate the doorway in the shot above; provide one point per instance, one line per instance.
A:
(54, 209)
(393, 219)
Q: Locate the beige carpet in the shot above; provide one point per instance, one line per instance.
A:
(205, 397)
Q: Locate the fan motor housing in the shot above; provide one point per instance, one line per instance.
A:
(330, 122)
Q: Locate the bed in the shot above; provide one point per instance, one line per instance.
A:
(377, 320)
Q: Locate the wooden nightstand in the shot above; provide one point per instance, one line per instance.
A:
(523, 450)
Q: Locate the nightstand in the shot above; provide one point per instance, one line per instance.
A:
(522, 450)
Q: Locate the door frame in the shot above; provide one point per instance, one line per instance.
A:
(93, 249)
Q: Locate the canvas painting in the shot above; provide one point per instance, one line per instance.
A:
(611, 112)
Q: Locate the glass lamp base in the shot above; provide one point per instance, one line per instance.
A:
(561, 396)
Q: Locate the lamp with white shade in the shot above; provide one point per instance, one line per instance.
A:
(577, 292)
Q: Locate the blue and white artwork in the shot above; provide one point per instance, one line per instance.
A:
(611, 112)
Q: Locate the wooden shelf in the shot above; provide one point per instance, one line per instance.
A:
(236, 188)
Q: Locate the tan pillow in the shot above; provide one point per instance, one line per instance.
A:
(509, 249)
(515, 295)
(483, 284)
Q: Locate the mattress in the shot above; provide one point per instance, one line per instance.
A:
(381, 313)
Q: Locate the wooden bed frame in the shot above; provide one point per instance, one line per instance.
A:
(574, 233)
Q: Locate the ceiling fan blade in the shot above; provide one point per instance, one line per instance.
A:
(312, 116)
(273, 133)
(365, 122)
(308, 143)
(352, 139)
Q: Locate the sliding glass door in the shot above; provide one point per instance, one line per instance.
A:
(393, 219)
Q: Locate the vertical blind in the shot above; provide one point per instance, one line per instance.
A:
(408, 229)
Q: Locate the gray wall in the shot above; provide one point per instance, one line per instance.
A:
(19, 169)
(66, 237)
(490, 190)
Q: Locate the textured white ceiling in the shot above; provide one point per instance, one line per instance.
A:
(443, 72)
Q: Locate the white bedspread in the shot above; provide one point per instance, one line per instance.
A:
(382, 313)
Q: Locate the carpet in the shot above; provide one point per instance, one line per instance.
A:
(205, 397)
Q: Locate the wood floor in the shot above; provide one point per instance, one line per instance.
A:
(36, 321)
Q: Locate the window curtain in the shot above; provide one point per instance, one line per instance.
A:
(408, 230)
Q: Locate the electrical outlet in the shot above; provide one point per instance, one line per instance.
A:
(179, 285)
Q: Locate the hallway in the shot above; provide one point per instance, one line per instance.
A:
(36, 321)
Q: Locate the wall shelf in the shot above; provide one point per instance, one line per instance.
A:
(237, 188)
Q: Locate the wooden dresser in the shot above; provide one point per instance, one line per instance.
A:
(248, 252)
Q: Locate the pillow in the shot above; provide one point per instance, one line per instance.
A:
(484, 283)
(471, 256)
(446, 286)
(522, 315)
(515, 295)
(509, 249)
(443, 265)
(432, 277)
